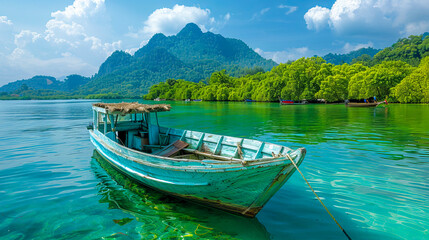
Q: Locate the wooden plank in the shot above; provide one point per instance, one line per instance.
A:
(172, 148)
(219, 143)
(218, 157)
(239, 148)
(200, 142)
(259, 150)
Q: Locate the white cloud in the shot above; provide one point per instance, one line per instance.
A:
(24, 64)
(291, 9)
(348, 47)
(286, 55)
(25, 37)
(265, 10)
(70, 26)
(259, 14)
(79, 9)
(416, 28)
(4, 20)
(317, 18)
(371, 17)
(68, 44)
(169, 21)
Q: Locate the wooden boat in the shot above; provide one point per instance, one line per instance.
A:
(234, 174)
(291, 102)
(353, 104)
(249, 100)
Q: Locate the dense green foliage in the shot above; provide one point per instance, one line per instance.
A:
(310, 79)
(415, 87)
(361, 54)
(410, 50)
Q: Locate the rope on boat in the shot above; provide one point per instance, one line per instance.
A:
(330, 214)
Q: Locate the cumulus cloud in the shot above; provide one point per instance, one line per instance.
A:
(364, 17)
(317, 18)
(79, 9)
(68, 44)
(284, 56)
(70, 25)
(169, 21)
(290, 10)
(24, 37)
(4, 20)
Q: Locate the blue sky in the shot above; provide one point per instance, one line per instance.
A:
(59, 38)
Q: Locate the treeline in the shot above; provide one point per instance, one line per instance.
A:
(29, 93)
(310, 79)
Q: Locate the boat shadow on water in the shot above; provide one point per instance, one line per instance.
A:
(163, 216)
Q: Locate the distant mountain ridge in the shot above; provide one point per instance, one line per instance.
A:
(338, 59)
(191, 55)
(71, 83)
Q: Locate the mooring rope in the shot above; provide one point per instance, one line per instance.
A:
(330, 214)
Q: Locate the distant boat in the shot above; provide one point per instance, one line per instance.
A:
(197, 100)
(159, 99)
(249, 100)
(234, 174)
(367, 104)
(291, 102)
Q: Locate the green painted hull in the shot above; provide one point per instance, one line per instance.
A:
(242, 187)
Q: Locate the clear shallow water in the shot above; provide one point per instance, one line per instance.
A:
(370, 166)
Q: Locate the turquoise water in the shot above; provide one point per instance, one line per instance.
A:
(370, 167)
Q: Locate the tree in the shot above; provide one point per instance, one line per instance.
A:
(415, 87)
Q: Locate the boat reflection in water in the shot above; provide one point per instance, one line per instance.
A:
(158, 215)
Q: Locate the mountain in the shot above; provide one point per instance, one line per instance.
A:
(36, 82)
(191, 55)
(338, 59)
(71, 83)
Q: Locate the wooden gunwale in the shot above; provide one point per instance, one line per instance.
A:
(263, 162)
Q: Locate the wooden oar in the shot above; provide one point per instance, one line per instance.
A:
(342, 229)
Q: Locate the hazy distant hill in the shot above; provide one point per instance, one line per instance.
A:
(191, 55)
(71, 83)
(348, 57)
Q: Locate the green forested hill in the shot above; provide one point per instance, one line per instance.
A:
(363, 53)
(410, 50)
(191, 55)
(71, 83)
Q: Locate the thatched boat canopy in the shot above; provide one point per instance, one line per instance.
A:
(134, 107)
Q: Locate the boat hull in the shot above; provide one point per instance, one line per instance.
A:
(239, 188)
(363, 104)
